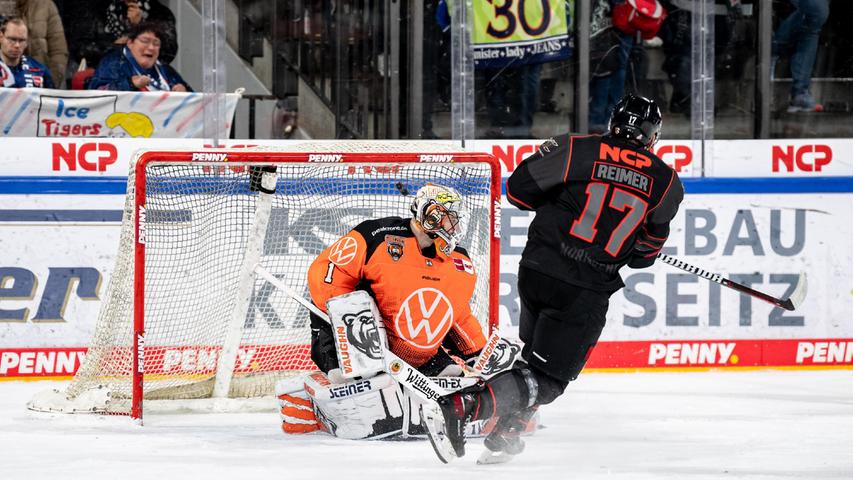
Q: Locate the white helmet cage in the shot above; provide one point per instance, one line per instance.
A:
(431, 205)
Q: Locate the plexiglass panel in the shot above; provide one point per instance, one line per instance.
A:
(498, 69)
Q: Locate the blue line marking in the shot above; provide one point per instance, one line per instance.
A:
(60, 215)
(118, 185)
(747, 185)
(298, 186)
(769, 185)
(63, 185)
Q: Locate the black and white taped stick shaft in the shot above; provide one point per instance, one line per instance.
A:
(792, 302)
(407, 375)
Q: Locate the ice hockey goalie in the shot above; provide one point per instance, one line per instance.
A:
(422, 283)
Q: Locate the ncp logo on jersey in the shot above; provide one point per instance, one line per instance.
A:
(424, 318)
(343, 251)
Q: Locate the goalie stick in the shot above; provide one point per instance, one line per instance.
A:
(409, 377)
(399, 369)
(792, 302)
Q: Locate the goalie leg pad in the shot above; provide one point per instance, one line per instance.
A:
(363, 409)
(297, 413)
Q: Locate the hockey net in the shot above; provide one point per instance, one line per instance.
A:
(186, 316)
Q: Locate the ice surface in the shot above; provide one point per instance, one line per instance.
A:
(704, 425)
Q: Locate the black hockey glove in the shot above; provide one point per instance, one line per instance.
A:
(435, 365)
(639, 261)
(323, 351)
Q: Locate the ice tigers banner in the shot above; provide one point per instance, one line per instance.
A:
(37, 112)
(510, 33)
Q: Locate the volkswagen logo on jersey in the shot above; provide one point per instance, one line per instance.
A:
(343, 251)
(501, 358)
(362, 333)
(424, 318)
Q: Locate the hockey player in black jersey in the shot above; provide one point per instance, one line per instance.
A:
(601, 202)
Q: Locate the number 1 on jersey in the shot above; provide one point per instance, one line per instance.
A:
(620, 200)
(329, 272)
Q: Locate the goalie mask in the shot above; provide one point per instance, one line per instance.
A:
(438, 211)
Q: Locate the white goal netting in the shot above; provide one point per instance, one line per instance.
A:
(203, 227)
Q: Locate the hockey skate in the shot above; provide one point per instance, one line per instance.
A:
(504, 442)
(433, 420)
(446, 423)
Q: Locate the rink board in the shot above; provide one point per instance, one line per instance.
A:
(60, 235)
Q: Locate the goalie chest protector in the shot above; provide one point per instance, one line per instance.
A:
(421, 296)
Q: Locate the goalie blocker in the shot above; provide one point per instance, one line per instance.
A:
(359, 334)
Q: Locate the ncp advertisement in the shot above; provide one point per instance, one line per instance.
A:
(59, 251)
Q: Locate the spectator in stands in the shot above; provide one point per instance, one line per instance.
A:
(95, 27)
(733, 46)
(8, 9)
(16, 69)
(797, 36)
(135, 67)
(609, 52)
(88, 40)
(676, 36)
(511, 99)
(46, 42)
(511, 91)
(123, 15)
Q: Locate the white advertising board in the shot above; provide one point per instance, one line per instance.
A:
(58, 252)
(727, 158)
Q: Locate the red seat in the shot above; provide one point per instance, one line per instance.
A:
(78, 80)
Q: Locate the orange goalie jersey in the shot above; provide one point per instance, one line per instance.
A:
(422, 297)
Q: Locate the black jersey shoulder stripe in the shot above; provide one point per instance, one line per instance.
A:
(569, 153)
(374, 231)
(662, 197)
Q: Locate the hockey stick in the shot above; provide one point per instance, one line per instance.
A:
(421, 385)
(792, 302)
(410, 378)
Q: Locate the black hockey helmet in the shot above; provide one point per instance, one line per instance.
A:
(637, 119)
